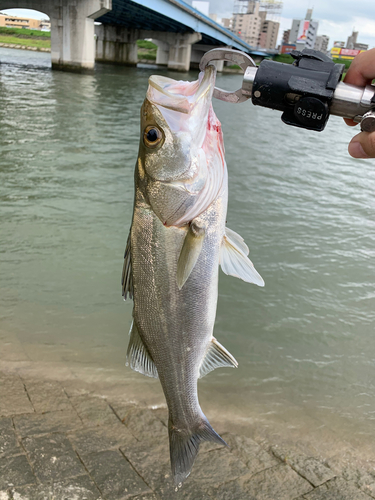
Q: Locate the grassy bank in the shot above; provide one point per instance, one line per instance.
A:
(146, 50)
(28, 38)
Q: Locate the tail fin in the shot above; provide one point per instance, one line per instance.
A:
(184, 446)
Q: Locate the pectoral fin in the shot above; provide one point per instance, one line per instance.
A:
(217, 356)
(234, 260)
(138, 356)
(127, 277)
(190, 252)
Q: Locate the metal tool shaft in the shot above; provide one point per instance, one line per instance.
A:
(349, 101)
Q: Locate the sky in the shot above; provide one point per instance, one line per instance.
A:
(337, 18)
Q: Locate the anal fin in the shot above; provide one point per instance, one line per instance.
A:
(138, 356)
(189, 253)
(216, 357)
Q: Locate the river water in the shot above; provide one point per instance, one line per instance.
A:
(304, 343)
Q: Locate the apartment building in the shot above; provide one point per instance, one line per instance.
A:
(268, 34)
(10, 21)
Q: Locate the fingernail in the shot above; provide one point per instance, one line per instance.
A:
(356, 150)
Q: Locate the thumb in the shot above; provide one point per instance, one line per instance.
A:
(362, 145)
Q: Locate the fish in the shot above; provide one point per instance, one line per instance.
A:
(177, 240)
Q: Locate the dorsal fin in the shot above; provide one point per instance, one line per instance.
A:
(234, 260)
(216, 356)
(138, 356)
(127, 277)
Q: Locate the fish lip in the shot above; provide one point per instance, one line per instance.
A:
(182, 104)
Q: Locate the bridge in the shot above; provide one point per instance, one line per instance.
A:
(181, 33)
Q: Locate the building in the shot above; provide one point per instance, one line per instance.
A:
(286, 36)
(352, 43)
(45, 25)
(227, 23)
(352, 40)
(294, 31)
(268, 34)
(303, 32)
(311, 34)
(338, 52)
(360, 46)
(10, 21)
(250, 23)
(321, 43)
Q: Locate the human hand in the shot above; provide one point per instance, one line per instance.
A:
(361, 72)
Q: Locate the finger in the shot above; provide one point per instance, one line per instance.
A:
(362, 145)
(362, 69)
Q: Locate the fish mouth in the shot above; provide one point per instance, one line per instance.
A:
(180, 96)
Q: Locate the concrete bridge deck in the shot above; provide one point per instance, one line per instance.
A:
(182, 33)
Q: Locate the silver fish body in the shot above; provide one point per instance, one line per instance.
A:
(172, 258)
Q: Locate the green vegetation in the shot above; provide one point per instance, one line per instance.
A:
(347, 62)
(27, 42)
(28, 38)
(146, 50)
(23, 32)
(283, 58)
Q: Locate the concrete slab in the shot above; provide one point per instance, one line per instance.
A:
(15, 470)
(53, 457)
(79, 488)
(8, 441)
(95, 446)
(114, 475)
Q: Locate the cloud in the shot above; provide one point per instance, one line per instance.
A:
(337, 18)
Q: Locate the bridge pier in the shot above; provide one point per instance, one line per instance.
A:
(162, 54)
(180, 51)
(72, 33)
(72, 29)
(174, 49)
(116, 45)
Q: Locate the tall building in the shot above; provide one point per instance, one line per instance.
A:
(286, 36)
(251, 24)
(321, 43)
(294, 31)
(247, 25)
(352, 40)
(268, 34)
(311, 34)
(309, 14)
(303, 32)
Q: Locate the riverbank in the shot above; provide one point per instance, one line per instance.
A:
(24, 47)
(92, 438)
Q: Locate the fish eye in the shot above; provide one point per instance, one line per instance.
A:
(152, 136)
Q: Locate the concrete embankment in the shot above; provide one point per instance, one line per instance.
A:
(24, 47)
(69, 438)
